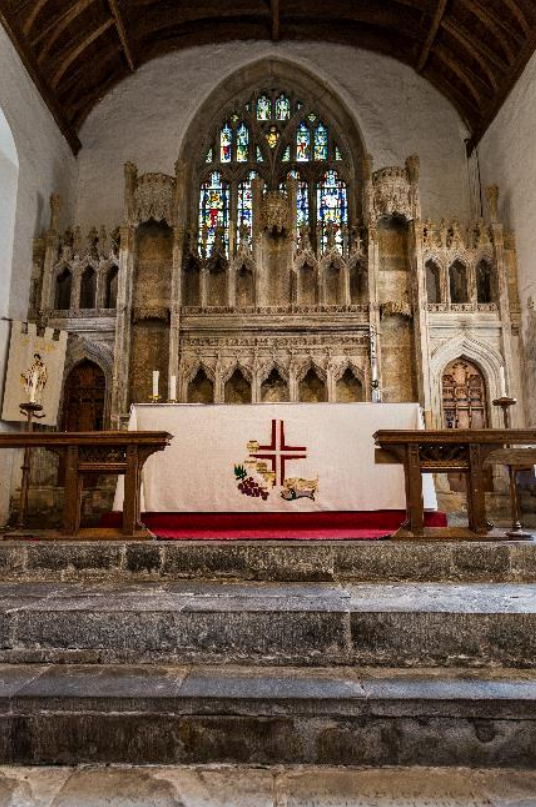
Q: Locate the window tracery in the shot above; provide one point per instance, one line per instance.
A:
(273, 136)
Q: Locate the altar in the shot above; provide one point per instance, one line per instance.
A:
(277, 457)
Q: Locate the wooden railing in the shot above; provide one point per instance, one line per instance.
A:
(117, 452)
(460, 451)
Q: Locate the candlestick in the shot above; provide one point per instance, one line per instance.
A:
(33, 386)
(30, 410)
(156, 378)
(502, 382)
(517, 531)
(172, 396)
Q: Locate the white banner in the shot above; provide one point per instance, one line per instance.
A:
(273, 457)
(34, 370)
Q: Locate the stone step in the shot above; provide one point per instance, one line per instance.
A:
(284, 561)
(302, 624)
(73, 714)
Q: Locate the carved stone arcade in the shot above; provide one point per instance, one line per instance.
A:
(275, 318)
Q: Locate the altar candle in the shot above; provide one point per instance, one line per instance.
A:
(156, 376)
(33, 386)
(173, 388)
(502, 380)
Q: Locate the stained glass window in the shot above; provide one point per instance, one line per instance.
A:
(311, 117)
(272, 136)
(242, 143)
(282, 108)
(303, 144)
(210, 155)
(337, 153)
(245, 204)
(332, 206)
(321, 142)
(286, 155)
(213, 209)
(264, 108)
(260, 158)
(226, 144)
(302, 204)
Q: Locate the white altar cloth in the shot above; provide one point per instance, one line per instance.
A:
(300, 457)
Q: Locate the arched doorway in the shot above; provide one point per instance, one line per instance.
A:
(84, 398)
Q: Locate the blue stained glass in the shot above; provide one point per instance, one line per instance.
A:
(286, 155)
(264, 108)
(213, 209)
(282, 108)
(245, 204)
(226, 144)
(260, 158)
(302, 205)
(303, 144)
(337, 152)
(332, 206)
(242, 143)
(321, 142)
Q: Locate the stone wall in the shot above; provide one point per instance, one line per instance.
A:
(508, 158)
(145, 118)
(46, 164)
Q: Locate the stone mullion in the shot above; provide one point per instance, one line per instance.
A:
(76, 287)
(175, 303)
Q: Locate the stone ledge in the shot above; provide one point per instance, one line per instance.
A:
(359, 561)
(166, 715)
(298, 624)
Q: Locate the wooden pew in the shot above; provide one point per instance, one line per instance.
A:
(109, 452)
(447, 451)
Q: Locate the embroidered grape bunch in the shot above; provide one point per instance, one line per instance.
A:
(247, 485)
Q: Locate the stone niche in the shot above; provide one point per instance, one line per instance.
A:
(394, 278)
(150, 309)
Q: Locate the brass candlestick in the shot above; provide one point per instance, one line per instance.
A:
(155, 398)
(517, 531)
(32, 411)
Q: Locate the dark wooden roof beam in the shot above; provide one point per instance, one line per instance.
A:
(123, 34)
(495, 29)
(475, 44)
(432, 33)
(53, 31)
(276, 20)
(461, 70)
(67, 59)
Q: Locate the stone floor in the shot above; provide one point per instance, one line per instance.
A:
(228, 786)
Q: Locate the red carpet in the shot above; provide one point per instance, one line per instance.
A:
(339, 526)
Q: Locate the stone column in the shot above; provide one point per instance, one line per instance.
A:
(419, 302)
(52, 242)
(120, 396)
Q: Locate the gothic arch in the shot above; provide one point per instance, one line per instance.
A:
(99, 354)
(486, 358)
(231, 95)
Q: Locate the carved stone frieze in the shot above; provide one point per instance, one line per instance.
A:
(155, 312)
(391, 194)
(275, 215)
(397, 308)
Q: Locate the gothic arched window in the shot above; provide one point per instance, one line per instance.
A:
(274, 136)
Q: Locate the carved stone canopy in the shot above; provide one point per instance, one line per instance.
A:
(153, 198)
(276, 213)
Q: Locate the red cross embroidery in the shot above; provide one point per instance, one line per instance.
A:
(278, 453)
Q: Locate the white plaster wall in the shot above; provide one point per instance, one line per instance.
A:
(507, 156)
(397, 111)
(46, 164)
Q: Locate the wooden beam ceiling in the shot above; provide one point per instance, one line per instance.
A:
(473, 51)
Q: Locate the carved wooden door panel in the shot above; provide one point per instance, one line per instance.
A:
(464, 396)
(465, 407)
(85, 390)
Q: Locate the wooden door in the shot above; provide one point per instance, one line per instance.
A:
(84, 396)
(465, 406)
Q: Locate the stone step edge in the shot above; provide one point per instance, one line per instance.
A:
(264, 561)
(499, 693)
